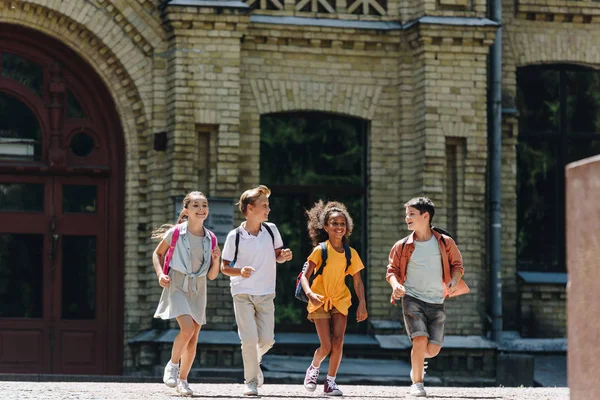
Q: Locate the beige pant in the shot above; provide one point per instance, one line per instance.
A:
(255, 317)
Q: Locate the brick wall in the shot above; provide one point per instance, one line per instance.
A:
(543, 311)
(536, 32)
(192, 71)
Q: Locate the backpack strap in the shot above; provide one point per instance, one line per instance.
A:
(348, 255)
(213, 239)
(319, 271)
(237, 242)
(442, 232)
(270, 232)
(169, 255)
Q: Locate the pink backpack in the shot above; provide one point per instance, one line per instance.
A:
(169, 255)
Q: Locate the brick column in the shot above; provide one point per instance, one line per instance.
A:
(450, 133)
(203, 89)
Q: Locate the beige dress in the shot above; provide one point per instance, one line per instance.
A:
(186, 295)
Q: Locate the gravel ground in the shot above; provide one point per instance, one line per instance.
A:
(152, 391)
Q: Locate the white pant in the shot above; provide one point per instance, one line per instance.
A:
(255, 317)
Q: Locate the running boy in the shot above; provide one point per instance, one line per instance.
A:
(249, 257)
(423, 269)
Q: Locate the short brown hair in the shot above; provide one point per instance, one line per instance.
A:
(423, 204)
(251, 195)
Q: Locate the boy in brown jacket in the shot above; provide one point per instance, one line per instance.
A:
(423, 269)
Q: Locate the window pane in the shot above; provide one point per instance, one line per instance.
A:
(24, 71)
(538, 206)
(21, 197)
(20, 133)
(538, 99)
(79, 198)
(583, 101)
(79, 277)
(312, 148)
(580, 149)
(74, 109)
(21, 277)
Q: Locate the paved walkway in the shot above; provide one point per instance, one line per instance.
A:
(155, 391)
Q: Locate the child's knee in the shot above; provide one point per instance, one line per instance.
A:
(420, 342)
(266, 343)
(325, 348)
(433, 350)
(337, 342)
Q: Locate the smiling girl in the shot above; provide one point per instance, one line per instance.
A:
(329, 297)
(194, 257)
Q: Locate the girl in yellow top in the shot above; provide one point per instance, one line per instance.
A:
(329, 297)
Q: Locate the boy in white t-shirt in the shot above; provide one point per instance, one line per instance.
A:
(250, 254)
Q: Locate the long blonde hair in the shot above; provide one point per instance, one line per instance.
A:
(159, 233)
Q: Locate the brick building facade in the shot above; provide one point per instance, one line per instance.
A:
(204, 72)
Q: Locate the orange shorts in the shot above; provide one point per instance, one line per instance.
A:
(320, 313)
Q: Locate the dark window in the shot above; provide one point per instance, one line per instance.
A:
(74, 109)
(79, 198)
(24, 71)
(306, 157)
(559, 108)
(20, 133)
(21, 260)
(79, 277)
(82, 144)
(21, 197)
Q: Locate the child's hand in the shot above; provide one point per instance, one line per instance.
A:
(361, 312)
(398, 292)
(316, 299)
(216, 253)
(246, 271)
(286, 254)
(164, 280)
(453, 285)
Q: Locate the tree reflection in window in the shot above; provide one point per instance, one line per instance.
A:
(23, 71)
(20, 132)
(307, 156)
(559, 122)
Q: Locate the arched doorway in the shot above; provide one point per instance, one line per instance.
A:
(61, 211)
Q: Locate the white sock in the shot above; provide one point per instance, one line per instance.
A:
(182, 380)
(331, 378)
(171, 364)
(312, 365)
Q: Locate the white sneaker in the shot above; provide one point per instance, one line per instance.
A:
(424, 372)
(251, 389)
(183, 388)
(417, 390)
(171, 374)
(311, 377)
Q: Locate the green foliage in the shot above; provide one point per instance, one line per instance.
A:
(306, 157)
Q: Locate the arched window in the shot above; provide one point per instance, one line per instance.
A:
(559, 122)
(307, 156)
(20, 132)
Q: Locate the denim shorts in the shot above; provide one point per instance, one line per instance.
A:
(424, 319)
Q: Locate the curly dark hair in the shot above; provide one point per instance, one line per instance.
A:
(317, 218)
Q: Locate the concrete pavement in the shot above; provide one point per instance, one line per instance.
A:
(153, 391)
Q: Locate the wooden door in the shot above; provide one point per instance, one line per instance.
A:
(53, 266)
